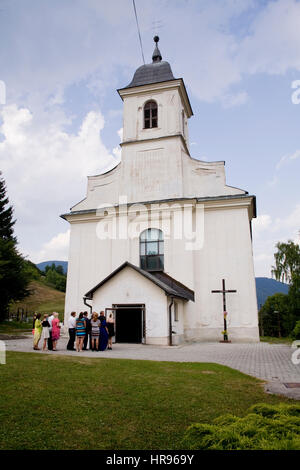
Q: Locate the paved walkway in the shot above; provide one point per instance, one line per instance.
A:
(269, 362)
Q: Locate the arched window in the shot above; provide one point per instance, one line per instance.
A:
(150, 115)
(152, 250)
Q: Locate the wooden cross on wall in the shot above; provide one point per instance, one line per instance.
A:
(224, 292)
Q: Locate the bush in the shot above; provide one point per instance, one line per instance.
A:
(296, 331)
(266, 427)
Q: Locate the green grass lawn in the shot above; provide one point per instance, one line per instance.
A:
(15, 327)
(272, 340)
(55, 402)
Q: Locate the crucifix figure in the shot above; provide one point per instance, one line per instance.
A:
(224, 292)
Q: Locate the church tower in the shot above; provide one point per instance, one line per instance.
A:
(130, 259)
(155, 131)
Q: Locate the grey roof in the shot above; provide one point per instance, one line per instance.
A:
(158, 71)
(170, 286)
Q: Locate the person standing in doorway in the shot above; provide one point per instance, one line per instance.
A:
(72, 332)
(111, 330)
(103, 339)
(87, 330)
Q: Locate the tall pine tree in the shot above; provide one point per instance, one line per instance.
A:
(13, 274)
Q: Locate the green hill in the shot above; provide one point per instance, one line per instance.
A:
(43, 299)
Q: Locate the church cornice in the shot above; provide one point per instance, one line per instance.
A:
(178, 83)
(210, 203)
(164, 137)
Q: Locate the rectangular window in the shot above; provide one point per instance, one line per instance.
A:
(175, 311)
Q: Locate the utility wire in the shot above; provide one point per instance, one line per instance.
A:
(138, 28)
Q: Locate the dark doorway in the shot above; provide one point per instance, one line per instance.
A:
(129, 327)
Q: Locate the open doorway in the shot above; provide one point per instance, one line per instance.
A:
(129, 323)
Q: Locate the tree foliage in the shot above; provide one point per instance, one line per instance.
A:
(287, 261)
(14, 278)
(55, 277)
(279, 314)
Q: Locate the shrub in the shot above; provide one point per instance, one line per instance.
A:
(296, 331)
(265, 427)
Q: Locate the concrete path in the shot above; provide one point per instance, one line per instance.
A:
(269, 362)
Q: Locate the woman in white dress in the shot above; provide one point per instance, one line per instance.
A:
(45, 332)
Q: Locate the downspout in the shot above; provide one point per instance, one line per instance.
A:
(88, 305)
(170, 321)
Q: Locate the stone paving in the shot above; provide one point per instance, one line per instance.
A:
(270, 362)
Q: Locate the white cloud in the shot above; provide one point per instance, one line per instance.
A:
(45, 168)
(261, 223)
(55, 249)
(273, 45)
(286, 158)
(267, 232)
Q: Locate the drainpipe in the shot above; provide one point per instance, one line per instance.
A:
(88, 305)
(170, 321)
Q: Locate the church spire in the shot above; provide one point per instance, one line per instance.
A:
(156, 57)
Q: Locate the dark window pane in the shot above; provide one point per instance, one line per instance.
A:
(143, 262)
(154, 122)
(154, 112)
(152, 262)
(147, 113)
(147, 124)
(161, 262)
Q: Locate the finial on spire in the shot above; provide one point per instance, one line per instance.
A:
(156, 57)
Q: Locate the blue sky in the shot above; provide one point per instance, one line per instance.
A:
(62, 61)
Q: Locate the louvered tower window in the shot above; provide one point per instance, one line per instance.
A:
(150, 115)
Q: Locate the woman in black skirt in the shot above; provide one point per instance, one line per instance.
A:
(111, 330)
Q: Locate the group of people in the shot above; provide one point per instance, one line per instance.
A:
(48, 329)
(93, 333)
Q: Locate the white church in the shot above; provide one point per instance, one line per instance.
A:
(159, 232)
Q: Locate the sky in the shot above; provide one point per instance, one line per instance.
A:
(61, 62)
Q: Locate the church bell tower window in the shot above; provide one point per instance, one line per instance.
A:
(150, 115)
(152, 250)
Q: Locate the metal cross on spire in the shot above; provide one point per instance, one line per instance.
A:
(224, 291)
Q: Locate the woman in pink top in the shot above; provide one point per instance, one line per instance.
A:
(55, 330)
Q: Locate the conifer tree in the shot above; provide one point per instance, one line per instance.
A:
(14, 277)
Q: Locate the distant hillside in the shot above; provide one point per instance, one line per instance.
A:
(64, 265)
(43, 299)
(266, 287)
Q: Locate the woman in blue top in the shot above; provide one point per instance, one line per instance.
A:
(103, 339)
(80, 332)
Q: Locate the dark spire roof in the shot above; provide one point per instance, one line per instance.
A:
(158, 71)
(156, 56)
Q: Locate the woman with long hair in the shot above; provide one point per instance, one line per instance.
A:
(80, 332)
(103, 333)
(45, 333)
(55, 330)
(37, 332)
(111, 330)
(95, 329)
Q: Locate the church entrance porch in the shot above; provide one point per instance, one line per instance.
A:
(129, 322)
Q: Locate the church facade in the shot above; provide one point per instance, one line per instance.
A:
(159, 232)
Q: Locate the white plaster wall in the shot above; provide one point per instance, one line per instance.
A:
(169, 115)
(130, 287)
(227, 253)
